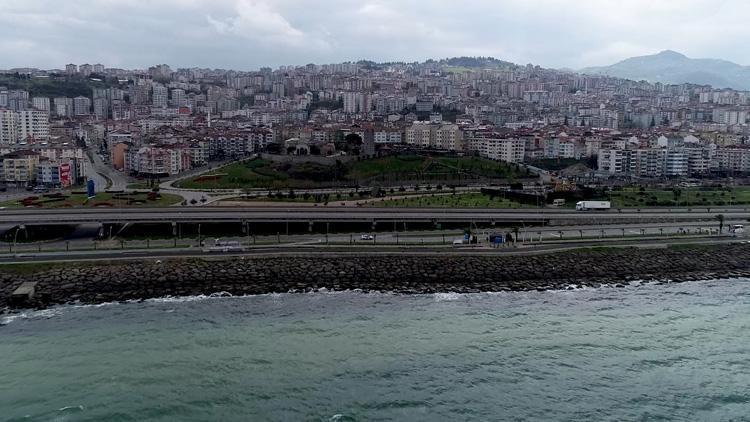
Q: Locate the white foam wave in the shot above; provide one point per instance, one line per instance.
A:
(79, 407)
(44, 313)
(446, 297)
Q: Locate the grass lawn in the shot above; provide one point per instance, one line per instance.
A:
(684, 197)
(413, 167)
(143, 185)
(396, 169)
(462, 200)
(79, 200)
(247, 174)
(391, 165)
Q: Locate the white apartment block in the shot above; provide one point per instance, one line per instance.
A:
(81, 106)
(101, 108)
(159, 97)
(661, 162)
(41, 103)
(387, 137)
(33, 124)
(63, 106)
(511, 150)
(732, 160)
(441, 136)
(8, 126)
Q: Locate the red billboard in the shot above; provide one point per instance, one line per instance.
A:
(65, 175)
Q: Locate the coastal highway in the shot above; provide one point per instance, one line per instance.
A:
(322, 250)
(33, 216)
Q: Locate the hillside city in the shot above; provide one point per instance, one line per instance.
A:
(162, 122)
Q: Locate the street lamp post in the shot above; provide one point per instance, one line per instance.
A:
(15, 236)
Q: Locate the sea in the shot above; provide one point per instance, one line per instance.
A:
(651, 352)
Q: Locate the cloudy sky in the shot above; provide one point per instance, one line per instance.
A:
(247, 34)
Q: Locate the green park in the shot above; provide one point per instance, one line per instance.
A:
(383, 171)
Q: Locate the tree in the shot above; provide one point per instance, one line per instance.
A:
(273, 148)
(653, 121)
(677, 192)
(353, 143)
(720, 219)
(565, 122)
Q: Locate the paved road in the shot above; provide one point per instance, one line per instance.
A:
(329, 251)
(346, 214)
(118, 180)
(83, 239)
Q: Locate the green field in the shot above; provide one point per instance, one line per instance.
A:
(260, 173)
(462, 200)
(141, 185)
(684, 197)
(79, 200)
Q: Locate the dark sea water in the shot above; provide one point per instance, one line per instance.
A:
(676, 352)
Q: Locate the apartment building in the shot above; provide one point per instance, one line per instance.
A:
(511, 150)
(19, 167)
(440, 136)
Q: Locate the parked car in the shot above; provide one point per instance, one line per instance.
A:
(367, 237)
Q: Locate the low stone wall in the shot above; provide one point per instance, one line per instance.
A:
(95, 283)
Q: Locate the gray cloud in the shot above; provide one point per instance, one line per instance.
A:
(247, 34)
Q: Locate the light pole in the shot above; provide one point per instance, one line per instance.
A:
(15, 236)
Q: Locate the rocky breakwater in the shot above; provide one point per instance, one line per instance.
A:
(106, 282)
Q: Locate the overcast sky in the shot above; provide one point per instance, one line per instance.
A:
(247, 34)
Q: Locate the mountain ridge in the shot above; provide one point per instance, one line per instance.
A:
(672, 67)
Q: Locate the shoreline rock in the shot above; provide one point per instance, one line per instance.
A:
(92, 283)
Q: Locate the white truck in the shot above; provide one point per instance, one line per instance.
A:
(593, 205)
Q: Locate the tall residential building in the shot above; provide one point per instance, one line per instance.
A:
(71, 69)
(99, 68)
(120, 110)
(63, 106)
(85, 69)
(116, 94)
(18, 99)
(160, 96)
(352, 102)
(100, 93)
(81, 106)
(139, 93)
(178, 97)
(33, 124)
(41, 103)
(101, 108)
(8, 126)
